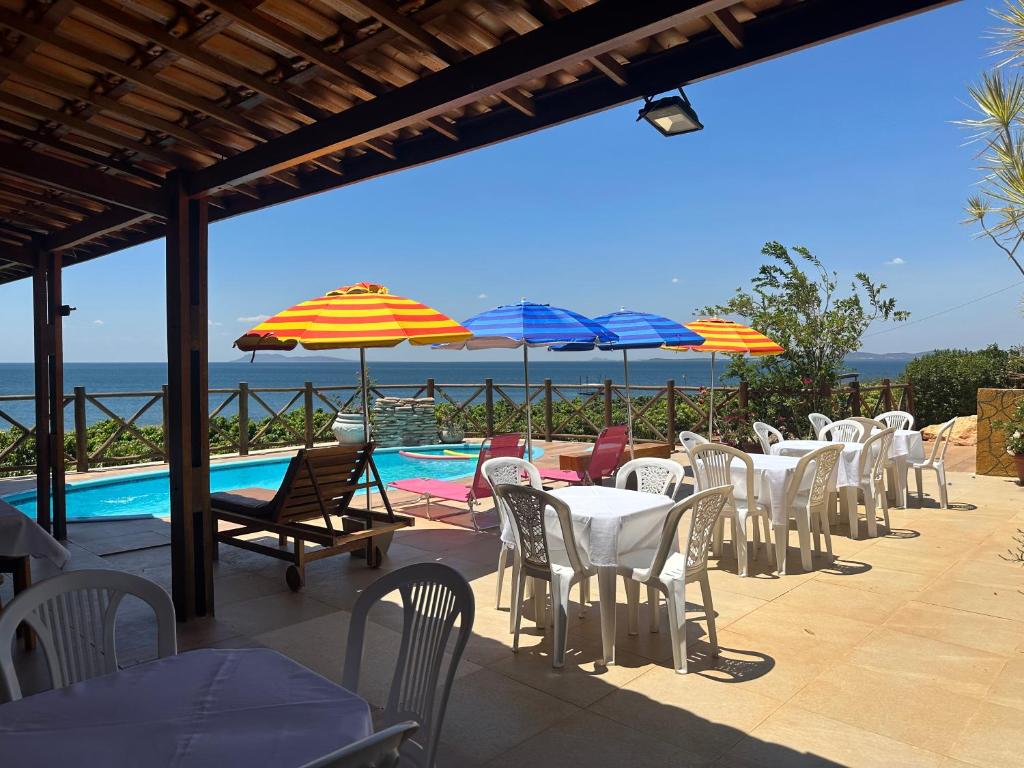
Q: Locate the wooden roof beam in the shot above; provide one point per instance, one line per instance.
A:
(594, 30)
(96, 226)
(728, 26)
(21, 256)
(607, 64)
(79, 180)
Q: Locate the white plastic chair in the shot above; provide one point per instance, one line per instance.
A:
(818, 422)
(381, 750)
(807, 504)
(869, 424)
(689, 441)
(713, 468)
(843, 431)
(765, 434)
(935, 462)
(526, 508)
(652, 475)
(896, 419)
(434, 596)
(874, 461)
(74, 615)
(665, 570)
(501, 471)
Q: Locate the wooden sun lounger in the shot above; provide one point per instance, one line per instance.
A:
(320, 483)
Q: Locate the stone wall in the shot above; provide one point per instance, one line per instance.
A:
(995, 405)
(404, 421)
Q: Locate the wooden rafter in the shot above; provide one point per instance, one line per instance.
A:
(728, 26)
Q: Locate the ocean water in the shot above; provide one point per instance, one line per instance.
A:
(688, 370)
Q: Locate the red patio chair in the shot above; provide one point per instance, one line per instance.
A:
(604, 460)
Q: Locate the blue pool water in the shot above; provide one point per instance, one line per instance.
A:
(147, 494)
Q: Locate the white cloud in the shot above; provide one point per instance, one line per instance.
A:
(896, 261)
(675, 279)
(253, 319)
(482, 296)
(97, 322)
(215, 324)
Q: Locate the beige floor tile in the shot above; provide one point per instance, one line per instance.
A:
(761, 586)
(921, 561)
(782, 622)
(703, 716)
(992, 601)
(836, 599)
(796, 738)
(262, 614)
(960, 669)
(993, 737)
(922, 714)
(974, 630)
(989, 570)
(861, 575)
(1008, 688)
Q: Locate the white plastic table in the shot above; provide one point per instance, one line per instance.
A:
(609, 523)
(206, 708)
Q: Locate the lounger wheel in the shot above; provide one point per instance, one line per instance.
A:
(294, 578)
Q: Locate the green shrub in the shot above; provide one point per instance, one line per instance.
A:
(946, 381)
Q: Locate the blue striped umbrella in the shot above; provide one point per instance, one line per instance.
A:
(526, 325)
(636, 330)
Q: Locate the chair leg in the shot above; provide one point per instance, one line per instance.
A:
(518, 584)
(814, 520)
(940, 476)
(653, 604)
(826, 532)
(709, 612)
(560, 587)
(803, 529)
(632, 605)
(584, 596)
(517, 609)
(540, 603)
(781, 543)
(869, 511)
(739, 543)
(675, 596)
(851, 512)
(502, 563)
(918, 473)
(757, 537)
(716, 539)
(884, 496)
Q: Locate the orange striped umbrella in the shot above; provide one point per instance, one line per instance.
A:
(731, 338)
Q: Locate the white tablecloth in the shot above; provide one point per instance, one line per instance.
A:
(847, 468)
(772, 475)
(907, 445)
(608, 522)
(250, 707)
(20, 536)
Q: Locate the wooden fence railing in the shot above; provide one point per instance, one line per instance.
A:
(275, 417)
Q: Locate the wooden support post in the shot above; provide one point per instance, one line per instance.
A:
(243, 419)
(855, 398)
(887, 394)
(908, 394)
(429, 391)
(307, 409)
(489, 406)
(55, 322)
(548, 420)
(41, 336)
(81, 432)
(192, 538)
(744, 400)
(670, 407)
(607, 403)
(164, 400)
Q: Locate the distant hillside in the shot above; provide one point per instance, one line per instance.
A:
(896, 357)
(277, 357)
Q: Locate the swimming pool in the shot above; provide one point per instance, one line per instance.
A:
(147, 494)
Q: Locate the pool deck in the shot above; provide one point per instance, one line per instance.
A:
(907, 650)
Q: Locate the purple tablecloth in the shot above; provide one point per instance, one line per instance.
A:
(251, 707)
(21, 536)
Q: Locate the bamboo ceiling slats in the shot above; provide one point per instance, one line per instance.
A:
(101, 99)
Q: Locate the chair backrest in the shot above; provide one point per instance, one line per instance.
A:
(843, 431)
(824, 461)
(526, 508)
(869, 424)
(896, 419)
(938, 452)
(818, 422)
(74, 615)
(434, 596)
(320, 481)
(509, 471)
(875, 455)
(499, 446)
(652, 475)
(607, 453)
(706, 507)
(712, 468)
(766, 434)
(381, 750)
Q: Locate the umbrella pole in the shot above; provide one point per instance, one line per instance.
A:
(366, 416)
(629, 404)
(529, 415)
(711, 400)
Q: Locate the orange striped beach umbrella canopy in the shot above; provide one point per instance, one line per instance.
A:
(353, 317)
(730, 338)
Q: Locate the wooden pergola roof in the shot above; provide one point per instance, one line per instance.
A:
(256, 102)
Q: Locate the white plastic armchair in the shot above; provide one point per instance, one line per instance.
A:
(652, 475)
(381, 750)
(666, 570)
(874, 460)
(843, 431)
(766, 433)
(689, 441)
(527, 508)
(807, 504)
(935, 462)
(74, 615)
(896, 419)
(818, 422)
(713, 465)
(500, 471)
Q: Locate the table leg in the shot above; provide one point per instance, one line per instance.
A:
(781, 543)
(848, 504)
(606, 593)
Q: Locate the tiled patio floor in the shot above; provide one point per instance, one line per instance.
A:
(906, 651)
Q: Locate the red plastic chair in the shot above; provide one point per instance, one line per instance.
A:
(604, 459)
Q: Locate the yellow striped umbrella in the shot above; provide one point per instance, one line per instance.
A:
(731, 338)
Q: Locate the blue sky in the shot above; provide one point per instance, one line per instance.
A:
(847, 148)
